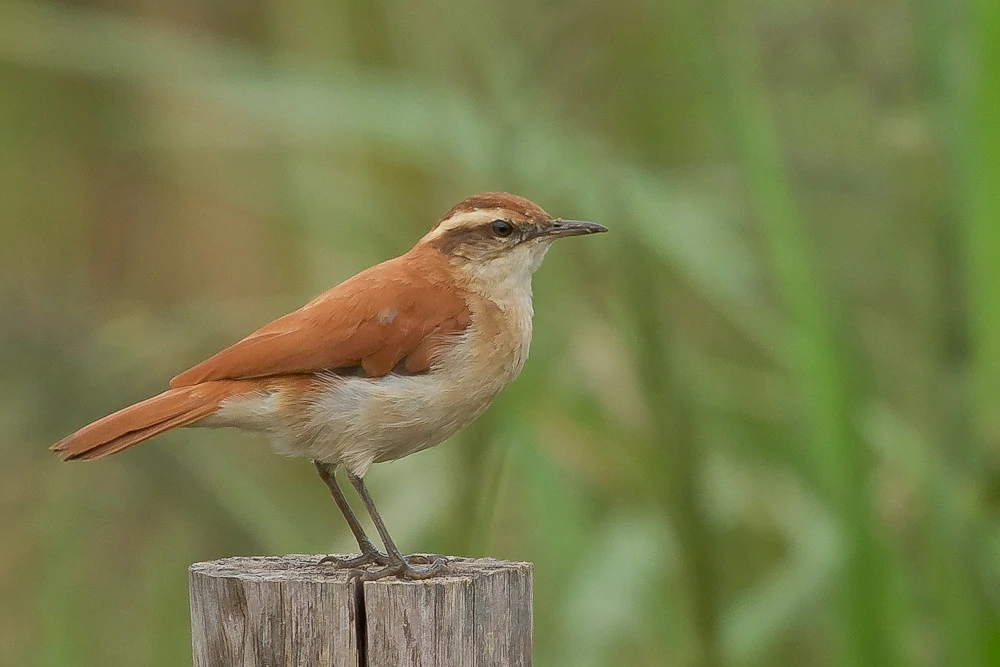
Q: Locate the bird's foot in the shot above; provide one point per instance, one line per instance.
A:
(372, 556)
(368, 556)
(403, 568)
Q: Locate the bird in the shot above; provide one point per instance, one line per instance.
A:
(391, 361)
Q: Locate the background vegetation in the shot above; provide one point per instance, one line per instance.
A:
(760, 422)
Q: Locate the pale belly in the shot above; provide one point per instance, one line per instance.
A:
(358, 421)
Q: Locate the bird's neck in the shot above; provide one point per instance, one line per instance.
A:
(510, 290)
(505, 281)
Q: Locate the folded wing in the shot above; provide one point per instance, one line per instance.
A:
(394, 316)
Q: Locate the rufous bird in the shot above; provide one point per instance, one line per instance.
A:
(389, 362)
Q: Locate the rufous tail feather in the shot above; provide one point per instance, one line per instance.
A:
(130, 426)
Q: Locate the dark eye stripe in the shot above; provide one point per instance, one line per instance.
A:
(481, 234)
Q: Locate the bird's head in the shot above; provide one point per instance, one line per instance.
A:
(499, 237)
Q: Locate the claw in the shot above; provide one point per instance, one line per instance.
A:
(371, 558)
(430, 559)
(369, 555)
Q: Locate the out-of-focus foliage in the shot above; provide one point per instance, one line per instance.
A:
(761, 420)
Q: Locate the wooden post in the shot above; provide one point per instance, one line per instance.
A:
(289, 611)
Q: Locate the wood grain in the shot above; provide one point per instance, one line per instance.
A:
(290, 612)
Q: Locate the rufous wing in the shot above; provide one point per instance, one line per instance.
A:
(396, 315)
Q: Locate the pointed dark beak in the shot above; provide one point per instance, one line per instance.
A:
(560, 228)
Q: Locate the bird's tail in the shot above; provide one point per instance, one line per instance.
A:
(130, 426)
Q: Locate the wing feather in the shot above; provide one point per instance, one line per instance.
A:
(373, 321)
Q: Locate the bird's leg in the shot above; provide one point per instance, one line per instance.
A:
(369, 552)
(397, 565)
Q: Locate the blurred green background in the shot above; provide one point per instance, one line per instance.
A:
(761, 420)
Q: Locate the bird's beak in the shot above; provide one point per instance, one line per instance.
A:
(560, 228)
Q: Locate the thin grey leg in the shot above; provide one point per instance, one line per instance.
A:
(369, 553)
(397, 565)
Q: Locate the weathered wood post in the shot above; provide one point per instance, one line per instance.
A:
(290, 612)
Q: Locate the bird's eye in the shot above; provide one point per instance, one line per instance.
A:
(502, 228)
